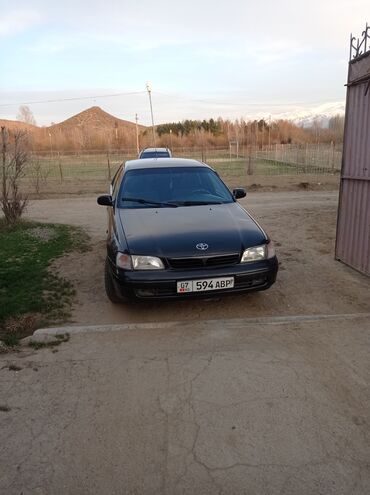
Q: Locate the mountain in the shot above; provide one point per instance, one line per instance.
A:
(91, 129)
(305, 117)
(93, 118)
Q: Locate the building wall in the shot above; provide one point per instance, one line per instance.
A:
(353, 228)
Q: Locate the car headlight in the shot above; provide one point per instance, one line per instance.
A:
(270, 248)
(146, 263)
(258, 253)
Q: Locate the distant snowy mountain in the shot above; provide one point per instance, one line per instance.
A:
(307, 116)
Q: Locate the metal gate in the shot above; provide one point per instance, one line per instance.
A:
(353, 225)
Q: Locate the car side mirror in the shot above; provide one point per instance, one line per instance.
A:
(239, 192)
(105, 200)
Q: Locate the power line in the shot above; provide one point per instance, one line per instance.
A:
(241, 104)
(177, 96)
(76, 98)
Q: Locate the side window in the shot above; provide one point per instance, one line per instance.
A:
(116, 181)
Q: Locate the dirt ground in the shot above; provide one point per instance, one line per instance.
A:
(310, 281)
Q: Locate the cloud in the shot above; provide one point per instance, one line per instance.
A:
(164, 22)
(17, 20)
(318, 23)
(147, 25)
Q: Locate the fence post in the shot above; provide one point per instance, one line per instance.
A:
(332, 156)
(3, 154)
(249, 170)
(108, 163)
(305, 157)
(60, 167)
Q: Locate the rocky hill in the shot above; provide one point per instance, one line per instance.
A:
(93, 118)
(91, 129)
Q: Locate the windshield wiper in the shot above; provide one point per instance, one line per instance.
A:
(149, 202)
(196, 203)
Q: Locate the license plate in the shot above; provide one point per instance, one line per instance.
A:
(205, 284)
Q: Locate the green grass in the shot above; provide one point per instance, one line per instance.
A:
(92, 167)
(258, 166)
(30, 294)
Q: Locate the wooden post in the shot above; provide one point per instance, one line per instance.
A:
(3, 152)
(305, 158)
(137, 138)
(250, 170)
(108, 163)
(332, 156)
(60, 167)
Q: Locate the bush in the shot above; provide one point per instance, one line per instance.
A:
(14, 161)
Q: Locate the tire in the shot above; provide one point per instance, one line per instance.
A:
(109, 287)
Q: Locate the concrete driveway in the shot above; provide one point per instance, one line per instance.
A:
(258, 406)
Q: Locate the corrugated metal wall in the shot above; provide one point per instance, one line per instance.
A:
(353, 227)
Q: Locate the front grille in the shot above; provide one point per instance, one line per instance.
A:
(204, 261)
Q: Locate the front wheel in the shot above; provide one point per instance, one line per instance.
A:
(109, 287)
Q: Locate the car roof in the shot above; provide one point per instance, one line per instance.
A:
(163, 163)
(152, 150)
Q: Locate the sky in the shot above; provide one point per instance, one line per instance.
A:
(204, 58)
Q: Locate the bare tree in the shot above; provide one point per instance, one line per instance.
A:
(39, 174)
(14, 161)
(25, 115)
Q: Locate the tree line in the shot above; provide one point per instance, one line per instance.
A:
(187, 133)
(187, 127)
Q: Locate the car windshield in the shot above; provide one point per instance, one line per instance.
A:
(172, 186)
(154, 154)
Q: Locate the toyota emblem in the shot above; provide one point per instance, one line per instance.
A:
(202, 246)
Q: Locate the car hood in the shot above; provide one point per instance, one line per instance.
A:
(175, 232)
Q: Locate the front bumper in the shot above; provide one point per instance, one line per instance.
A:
(162, 284)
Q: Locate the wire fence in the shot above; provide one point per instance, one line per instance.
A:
(92, 170)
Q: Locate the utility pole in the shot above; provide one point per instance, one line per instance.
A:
(149, 89)
(137, 135)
